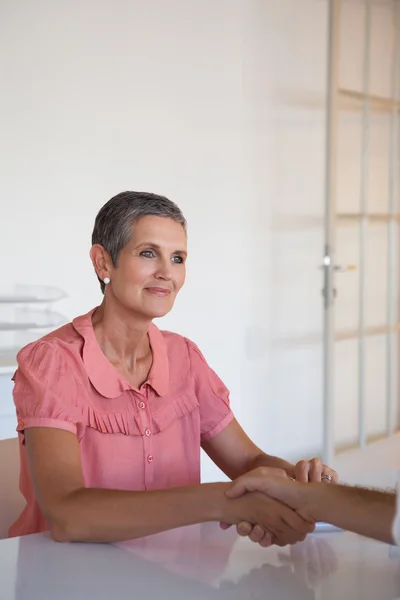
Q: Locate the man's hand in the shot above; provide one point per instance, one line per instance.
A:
(266, 533)
(283, 525)
(283, 489)
(367, 512)
(304, 471)
(256, 533)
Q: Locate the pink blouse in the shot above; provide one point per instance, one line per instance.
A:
(129, 439)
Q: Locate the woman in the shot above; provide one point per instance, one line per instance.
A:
(112, 412)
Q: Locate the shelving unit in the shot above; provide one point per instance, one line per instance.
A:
(26, 314)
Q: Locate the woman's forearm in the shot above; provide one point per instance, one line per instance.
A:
(98, 515)
(266, 460)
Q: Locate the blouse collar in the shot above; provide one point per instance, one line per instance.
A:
(104, 376)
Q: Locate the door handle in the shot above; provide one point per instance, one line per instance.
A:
(344, 268)
(339, 268)
(329, 292)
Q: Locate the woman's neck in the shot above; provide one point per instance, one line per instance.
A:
(121, 335)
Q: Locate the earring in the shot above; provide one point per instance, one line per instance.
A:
(106, 280)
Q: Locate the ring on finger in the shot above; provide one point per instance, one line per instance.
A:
(326, 478)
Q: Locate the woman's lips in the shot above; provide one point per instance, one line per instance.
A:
(157, 291)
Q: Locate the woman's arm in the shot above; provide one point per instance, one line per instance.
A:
(76, 513)
(235, 454)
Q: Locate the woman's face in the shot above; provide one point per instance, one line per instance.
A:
(151, 267)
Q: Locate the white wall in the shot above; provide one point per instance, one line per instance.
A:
(217, 104)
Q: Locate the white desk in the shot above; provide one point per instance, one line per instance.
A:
(199, 563)
(203, 562)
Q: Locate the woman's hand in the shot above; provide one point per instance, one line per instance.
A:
(275, 522)
(258, 532)
(314, 470)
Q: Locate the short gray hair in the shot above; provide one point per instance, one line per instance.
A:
(113, 224)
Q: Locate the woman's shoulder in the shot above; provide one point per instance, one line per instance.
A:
(180, 347)
(176, 342)
(45, 392)
(57, 347)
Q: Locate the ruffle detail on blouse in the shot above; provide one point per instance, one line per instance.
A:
(182, 406)
(110, 422)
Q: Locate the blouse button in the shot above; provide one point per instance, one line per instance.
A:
(150, 458)
(142, 405)
(147, 432)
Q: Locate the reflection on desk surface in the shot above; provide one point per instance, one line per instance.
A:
(201, 562)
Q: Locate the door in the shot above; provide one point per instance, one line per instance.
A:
(361, 284)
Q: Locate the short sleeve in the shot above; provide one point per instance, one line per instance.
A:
(212, 395)
(44, 391)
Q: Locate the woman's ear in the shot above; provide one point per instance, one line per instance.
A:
(101, 261)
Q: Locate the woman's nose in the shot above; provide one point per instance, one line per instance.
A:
(164, 269)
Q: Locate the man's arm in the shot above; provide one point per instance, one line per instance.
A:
(367, 512)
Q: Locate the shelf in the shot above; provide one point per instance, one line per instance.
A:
(32, 294)
(26, 320)
(376, 102)
(8, 360)
(9, 326)
(8, 369)
(377, 217)
(354, 334)
(19, 300)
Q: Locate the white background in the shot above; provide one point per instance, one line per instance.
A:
(218, 104)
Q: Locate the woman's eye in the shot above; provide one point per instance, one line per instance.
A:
(177, 259)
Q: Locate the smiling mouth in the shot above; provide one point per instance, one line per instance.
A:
(156, 291)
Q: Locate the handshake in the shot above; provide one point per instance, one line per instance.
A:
(270, 507)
